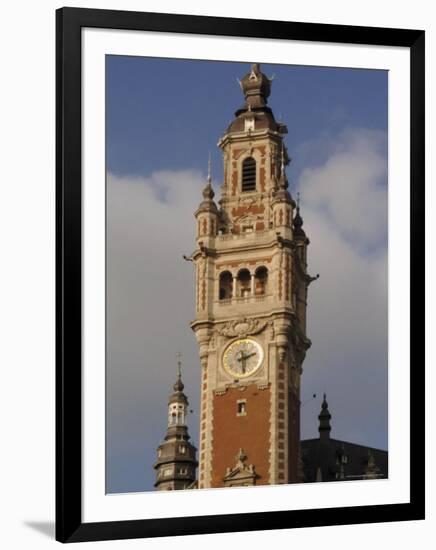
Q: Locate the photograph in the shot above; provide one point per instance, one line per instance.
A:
(246, 274)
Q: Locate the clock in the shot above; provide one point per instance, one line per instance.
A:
(242, 357)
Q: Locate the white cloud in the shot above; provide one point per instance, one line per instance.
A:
(345, 214)
(349, 189)
(150, 304)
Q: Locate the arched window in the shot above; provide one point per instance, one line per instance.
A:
(260, 281)
(226, 286)
(244, 283)
(249, 174)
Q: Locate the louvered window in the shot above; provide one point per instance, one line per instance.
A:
(249, 174)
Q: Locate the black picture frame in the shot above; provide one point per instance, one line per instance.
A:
(69, 525)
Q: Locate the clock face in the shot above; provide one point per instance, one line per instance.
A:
(242, 357)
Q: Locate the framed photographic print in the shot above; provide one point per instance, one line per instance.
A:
(240, 256)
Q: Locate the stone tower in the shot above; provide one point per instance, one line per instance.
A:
(251, 293)
(176, 463)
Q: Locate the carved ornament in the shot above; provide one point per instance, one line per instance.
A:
(242, 327)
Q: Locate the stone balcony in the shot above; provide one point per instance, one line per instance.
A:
(250, 305)
(244, 300)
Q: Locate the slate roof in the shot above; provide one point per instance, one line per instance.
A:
(327, 459)
(337, 460)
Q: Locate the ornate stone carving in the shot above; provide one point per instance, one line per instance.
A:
(241, 474)
(242, 327)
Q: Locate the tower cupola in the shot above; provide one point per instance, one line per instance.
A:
(176, 457)
(256, 87)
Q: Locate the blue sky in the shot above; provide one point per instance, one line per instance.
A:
(163, 119)
(165, 114)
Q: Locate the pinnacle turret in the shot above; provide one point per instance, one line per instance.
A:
(298, 221)
(176, 462)
(324, 420)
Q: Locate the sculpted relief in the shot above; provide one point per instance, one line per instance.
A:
(242, 327)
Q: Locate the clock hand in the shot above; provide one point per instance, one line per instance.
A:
(243, 357)
(243, 363)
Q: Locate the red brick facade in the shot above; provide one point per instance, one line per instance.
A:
(251, 432)
(294, 436)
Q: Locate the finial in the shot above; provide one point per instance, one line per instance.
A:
(209, 171)
(241, 456)
(283, 156)
(256, 88)
(178, 386)
(208, 192)
(298, 220)
(179, 363)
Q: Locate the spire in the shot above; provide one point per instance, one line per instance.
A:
(324, 420)
(208, 204)
(282, 194)
(179, 386)
(209, 171)
(208, 192)
(298, 221)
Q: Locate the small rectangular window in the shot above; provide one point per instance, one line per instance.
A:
(241, 408)
(182, 449)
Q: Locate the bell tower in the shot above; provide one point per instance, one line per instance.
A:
(251, 295)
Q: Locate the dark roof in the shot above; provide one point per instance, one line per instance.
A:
(337, 460)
